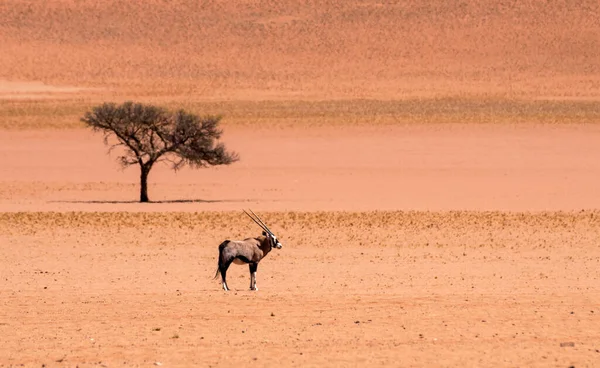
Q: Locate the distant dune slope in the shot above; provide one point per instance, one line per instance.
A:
(308, 49)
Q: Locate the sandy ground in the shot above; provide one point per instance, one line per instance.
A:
(430, 166)
(347, 289)
(115, 286)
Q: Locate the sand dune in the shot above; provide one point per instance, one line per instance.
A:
(314, 49)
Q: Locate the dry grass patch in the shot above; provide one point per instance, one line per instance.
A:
(41, 114)
(65, 114)
(339, 229)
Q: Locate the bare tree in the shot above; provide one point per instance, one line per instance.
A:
(150, 134)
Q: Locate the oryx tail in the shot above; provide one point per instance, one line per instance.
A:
(221, 258)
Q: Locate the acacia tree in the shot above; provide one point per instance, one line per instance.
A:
(150, 134)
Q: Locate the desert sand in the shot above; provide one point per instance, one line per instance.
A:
(431, 169)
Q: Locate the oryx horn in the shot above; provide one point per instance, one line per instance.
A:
(261, 224)
(261, 221)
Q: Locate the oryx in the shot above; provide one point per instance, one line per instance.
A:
(250, 251)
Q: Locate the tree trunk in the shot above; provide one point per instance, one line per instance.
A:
(144, 184)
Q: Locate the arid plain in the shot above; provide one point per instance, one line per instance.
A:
(431, 169)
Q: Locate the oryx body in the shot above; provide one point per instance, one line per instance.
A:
(248, 251)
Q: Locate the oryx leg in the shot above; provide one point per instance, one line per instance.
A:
(253, 268)
(223, 269)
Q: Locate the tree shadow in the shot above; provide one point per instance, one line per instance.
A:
(165, 201)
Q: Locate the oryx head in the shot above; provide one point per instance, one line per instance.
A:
(266, 232)
(273, 239)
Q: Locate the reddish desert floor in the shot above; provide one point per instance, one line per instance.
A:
(431, 168)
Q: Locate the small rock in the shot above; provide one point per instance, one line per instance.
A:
(157, 363)
(567, 344)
